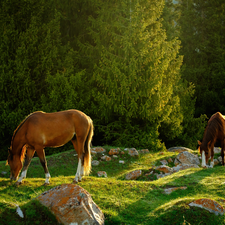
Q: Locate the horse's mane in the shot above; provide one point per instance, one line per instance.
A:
(20, 125)
(215, 124)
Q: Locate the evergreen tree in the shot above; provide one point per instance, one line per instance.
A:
(202, 36)
(191, 128)
(36, 70)
(135, 71)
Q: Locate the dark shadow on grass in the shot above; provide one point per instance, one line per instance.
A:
(33, 213)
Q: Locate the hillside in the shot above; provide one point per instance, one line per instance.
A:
(142, 201)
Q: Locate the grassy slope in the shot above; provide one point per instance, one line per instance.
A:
(122, 202)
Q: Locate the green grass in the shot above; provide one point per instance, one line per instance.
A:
(122, 202)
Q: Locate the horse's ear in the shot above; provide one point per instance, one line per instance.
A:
(199, 142)
(7, 163)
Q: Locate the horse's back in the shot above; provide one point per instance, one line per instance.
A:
(217, 115)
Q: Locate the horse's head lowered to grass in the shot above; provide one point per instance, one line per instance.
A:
(15, 163)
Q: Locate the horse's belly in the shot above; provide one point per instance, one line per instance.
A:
(50, 139)
(57, 141)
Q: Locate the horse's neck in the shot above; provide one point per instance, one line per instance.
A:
(208, 137)
(17, 144)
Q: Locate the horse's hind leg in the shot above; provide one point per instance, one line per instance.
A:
(41, 155)
(29, 155)
(80, 168)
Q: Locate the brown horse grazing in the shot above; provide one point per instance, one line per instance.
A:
(214, 132)
(40, 130)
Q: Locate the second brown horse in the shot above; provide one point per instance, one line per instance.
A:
(40, 130)
(214, 132)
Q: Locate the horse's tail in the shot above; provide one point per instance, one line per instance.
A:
(87, 148)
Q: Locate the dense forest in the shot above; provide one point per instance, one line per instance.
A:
(148, 73)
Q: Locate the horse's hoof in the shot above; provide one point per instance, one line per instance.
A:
(18, 183)
(46, 184)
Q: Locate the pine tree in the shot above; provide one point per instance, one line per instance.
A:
(202, 36)
(37, 72)
(135, 69)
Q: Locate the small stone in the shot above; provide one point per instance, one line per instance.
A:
(133, 175)
(216, 162)
(19, 212)
(102, 174)
(115, 156)
(95, 163)
(164, 169)
(99, 149)
(208, 204)
(121, 161)
(122, 152)
(144, 151)
(170, 190)
(220, 159)
(164, 162)
(133, 152)
(106, 158)
(114, 151)
(217, 150)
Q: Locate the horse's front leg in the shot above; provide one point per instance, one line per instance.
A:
(222, 151)
(222, 155)
(212, 157)
(29, 155)
(41, 155)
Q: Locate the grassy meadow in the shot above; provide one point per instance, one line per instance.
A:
(123, 202)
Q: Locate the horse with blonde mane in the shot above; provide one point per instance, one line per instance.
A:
(40, 130)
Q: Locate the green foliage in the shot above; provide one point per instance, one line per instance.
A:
(36, 70)
(202, 36)
(30, 36)
(135, 70)
(130, 134)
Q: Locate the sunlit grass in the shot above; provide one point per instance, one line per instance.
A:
(123, 202)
